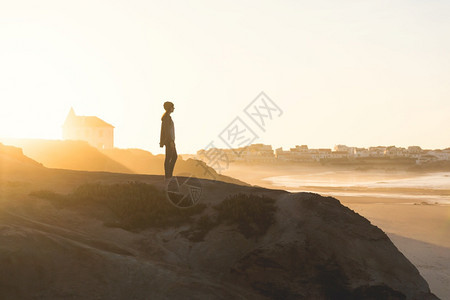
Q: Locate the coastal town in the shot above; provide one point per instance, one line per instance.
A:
(265, 154)
(100, 134)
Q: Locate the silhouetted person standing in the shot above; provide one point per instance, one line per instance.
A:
(168, 139)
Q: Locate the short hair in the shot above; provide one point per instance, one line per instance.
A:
(168, 105)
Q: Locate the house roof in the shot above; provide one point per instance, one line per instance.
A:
(73, 120)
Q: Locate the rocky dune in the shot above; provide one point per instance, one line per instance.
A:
(311, 247)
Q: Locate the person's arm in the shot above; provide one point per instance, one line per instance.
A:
(171, 132)
(162, 140)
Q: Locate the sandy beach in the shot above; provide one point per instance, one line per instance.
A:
(420, 232)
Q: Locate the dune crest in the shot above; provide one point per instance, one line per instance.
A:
(69, 244)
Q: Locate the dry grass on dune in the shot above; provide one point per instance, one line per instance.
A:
(131, 206)
(136, 206)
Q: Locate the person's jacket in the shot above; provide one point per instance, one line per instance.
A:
(167, 130)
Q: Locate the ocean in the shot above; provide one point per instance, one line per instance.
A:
(432, 188)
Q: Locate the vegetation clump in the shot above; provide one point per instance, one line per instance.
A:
(137, 206)
(198, 231)
(133, 205)
(251, 214)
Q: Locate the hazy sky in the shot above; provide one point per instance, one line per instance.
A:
(344, 72)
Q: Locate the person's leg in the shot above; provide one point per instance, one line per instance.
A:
(167, 161)
(173, 160)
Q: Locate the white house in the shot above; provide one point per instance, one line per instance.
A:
(414, 151)
(360, 152)
(91, 129)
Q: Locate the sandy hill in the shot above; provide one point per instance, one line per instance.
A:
(144, 162)
(96, 235)
(73, 155)
(79, 155)
(12, 158)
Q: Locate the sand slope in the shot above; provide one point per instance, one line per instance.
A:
(315, 248)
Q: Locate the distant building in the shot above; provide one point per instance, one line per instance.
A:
(360, 152)
(299, 153)
(91, 129)
(342, 148)
(426, 158)
(256, 153)
(264, 153)
(322, 154)
(339, 154)
(414, 152)
(302, 148)
(393, 152)
(439, 154)
(377, 151)
(414, 149)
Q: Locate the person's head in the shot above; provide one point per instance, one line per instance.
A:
(168, 106)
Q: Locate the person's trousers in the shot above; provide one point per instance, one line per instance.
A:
(171, 158)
